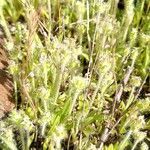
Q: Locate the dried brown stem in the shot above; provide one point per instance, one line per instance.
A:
(117, 99)
(121, 87)
(107, 130)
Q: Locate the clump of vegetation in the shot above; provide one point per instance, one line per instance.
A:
(81, 74)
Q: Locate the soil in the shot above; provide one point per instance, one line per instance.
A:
(6, 84)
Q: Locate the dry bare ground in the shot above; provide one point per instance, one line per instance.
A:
(6, 84)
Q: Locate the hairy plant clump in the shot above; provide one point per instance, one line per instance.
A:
(80, 74)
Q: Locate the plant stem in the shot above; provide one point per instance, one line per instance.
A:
(123, 143)
(135, 144)
(58, 79)
(5, 26)
(72, 104)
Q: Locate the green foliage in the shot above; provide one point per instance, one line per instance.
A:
(79, 67)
